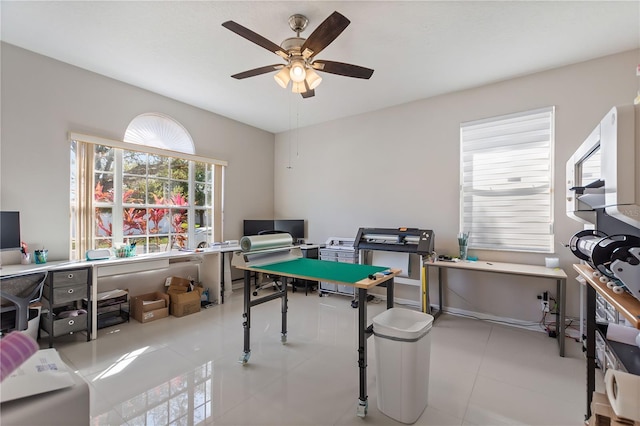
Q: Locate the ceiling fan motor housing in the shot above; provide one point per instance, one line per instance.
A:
(298, 23)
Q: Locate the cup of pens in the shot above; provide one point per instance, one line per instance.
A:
(40, 256)
(463, 239)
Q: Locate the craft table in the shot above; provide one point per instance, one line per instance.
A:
(351, 274)
(556, 274)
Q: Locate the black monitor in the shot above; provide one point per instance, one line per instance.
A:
(10, 231)
(292, 226)
(295, 227)
(254, 227)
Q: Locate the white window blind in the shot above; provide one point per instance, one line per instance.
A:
(506, 168)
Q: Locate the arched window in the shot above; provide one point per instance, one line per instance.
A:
(159, 131)
(150, 190)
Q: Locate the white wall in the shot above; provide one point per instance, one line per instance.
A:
(390, 168)
(43, 100)
(400, 167)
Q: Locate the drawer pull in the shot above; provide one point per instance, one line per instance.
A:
(70, 291)
(71, 322)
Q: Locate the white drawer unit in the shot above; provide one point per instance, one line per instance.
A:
(338, 250)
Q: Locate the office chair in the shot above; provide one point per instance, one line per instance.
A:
(274, 283)
(16, 293)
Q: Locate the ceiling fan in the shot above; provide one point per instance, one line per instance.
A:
(300, 53)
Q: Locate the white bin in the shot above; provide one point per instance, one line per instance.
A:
(402, 344)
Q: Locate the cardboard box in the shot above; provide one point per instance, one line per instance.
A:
(177, 283)
(150, 306)
(183, 301)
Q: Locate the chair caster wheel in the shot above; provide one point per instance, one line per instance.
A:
(255, 293)
(354, 304)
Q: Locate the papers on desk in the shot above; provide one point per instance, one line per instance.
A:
(43, 372)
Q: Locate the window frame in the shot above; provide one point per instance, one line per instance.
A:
(83, 235)
(532, 131)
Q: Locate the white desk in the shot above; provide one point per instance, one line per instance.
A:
(556, 274)
(213, 265)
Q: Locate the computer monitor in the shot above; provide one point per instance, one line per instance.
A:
(254, 227)
(294, 227)
(10, 231)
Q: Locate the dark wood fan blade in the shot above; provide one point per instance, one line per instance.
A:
(322, 36)
(257, 71)
(340, 68)
(255, 38)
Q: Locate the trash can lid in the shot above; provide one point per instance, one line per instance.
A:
(402, 323)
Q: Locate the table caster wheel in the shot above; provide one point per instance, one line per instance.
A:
(354, 304)
(362, 409)
(244, 358)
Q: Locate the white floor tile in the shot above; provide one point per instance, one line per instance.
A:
(186, 370)
(498, 403)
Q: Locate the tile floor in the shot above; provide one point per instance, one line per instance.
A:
(185, 371)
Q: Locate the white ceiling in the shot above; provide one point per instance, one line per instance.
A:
(418, 49)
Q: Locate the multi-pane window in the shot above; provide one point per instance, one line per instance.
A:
(149, 201)
(155, 199)
(506, 180)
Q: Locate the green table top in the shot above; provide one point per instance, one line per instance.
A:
(321, 270)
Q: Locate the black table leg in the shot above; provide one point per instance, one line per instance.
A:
(363, 403)
(283, 337)
(390, 289)
(246, 315)
(222, 254)
(591, 346)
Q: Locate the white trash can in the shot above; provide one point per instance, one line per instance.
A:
(403, 344)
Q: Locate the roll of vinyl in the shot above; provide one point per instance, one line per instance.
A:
(623, 391)
(622, 333)
(263, 242)
(15, 349)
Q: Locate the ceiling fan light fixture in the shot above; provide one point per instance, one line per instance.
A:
(282, 77)
(313, 79)
(297, 72)
(299, 54)
(298, 87)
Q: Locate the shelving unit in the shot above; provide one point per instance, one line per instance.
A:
(112, 308)
(617, 355)
(64, 291)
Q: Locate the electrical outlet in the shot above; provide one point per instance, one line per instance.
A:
(545, 305)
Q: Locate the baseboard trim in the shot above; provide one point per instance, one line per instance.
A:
(513, 322)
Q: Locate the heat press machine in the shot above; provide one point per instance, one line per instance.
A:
(615, 259)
